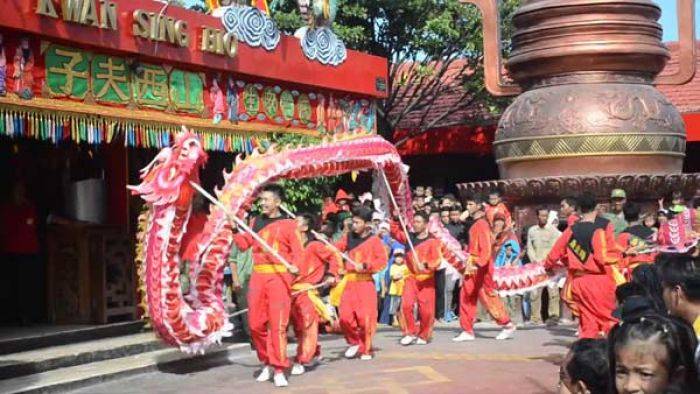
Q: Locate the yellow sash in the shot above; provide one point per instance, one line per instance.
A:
(421, 277)
(315, 300)
(337, 291)
(269, 269)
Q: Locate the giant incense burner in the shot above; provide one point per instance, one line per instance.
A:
(587, 114)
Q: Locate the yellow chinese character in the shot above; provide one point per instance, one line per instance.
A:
(113, 75)
(68, 69)
(152, 86)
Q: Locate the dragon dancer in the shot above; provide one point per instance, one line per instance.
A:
(583, 249)
(478, 281)
(269, 294)
(358, 297)
(307, 308)
(419, 287)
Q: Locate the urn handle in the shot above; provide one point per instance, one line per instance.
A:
(493, 62)
(686, 46)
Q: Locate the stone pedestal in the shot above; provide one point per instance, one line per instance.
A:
(523, 196)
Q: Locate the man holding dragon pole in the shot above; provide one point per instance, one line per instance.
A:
(269, 295)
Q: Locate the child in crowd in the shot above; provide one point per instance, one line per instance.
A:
(652, 354)
(398, 273)
(585, 369)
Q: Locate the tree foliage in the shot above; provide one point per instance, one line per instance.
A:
(305, 195)
(433, 46)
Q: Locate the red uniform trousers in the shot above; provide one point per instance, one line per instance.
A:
(423, 293)
(269, 304)
(480, 286)
(305, 321)
(594, 296)
(358, 313)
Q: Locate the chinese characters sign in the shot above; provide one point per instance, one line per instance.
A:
(72, 73)
(77, 74)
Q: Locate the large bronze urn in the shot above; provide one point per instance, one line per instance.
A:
(585, 72)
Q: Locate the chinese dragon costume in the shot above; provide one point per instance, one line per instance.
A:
(199, 320)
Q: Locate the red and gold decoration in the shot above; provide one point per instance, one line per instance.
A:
(137, 71)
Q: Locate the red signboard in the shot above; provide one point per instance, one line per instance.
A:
(360, 74)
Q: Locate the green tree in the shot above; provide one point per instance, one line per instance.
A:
(304, 194)
(434, 47)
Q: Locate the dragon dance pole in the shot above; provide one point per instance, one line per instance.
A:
(292, 269)
(321, 238)
(401, 220)
(236, 313)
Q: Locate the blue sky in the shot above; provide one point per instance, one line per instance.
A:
(669, 19)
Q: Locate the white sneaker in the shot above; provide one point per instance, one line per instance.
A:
(464, 336)
(506, 333)
(298, 369)
(280, 380)
(352, 351)
(265, 375)
(407, 340)
(421, 341)
(366, 357)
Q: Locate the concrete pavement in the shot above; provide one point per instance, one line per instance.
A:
(526, 364)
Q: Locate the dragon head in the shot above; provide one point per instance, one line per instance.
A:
(162, 180)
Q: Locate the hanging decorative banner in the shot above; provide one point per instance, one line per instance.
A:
(251, 26)
(57, 127)
(84, 83)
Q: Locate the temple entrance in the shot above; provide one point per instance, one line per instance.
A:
(67, 252)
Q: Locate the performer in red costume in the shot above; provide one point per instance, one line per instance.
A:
(569, 210)
(635, 241)
(582, 248)
(358, 302)
(307, 307)
(269, 295)
(496, 207)
(478, 282)
(419, 287)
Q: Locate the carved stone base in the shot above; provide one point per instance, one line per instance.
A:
(546, 189)
(525, 195)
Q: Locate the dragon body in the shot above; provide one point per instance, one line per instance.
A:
(199, 320)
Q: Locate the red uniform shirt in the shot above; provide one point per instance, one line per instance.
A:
(582, 248)
(280, 233)
(500, 209)
(313, 266)
(480, 243)
(369, 251)
(429, 251)
(18, 229)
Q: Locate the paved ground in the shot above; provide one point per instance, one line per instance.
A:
(526, 364)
